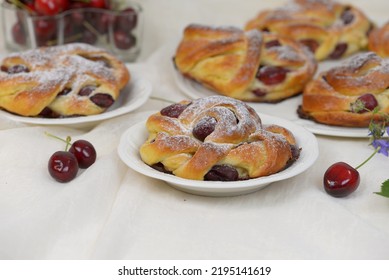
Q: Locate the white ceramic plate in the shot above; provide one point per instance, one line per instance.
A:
(286, 109)
(134, 95)
(135, 136)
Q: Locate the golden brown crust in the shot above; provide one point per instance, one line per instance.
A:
(67, 80)
(238, 141)
(324, 25)
(227, 60)
(328, 98)
(379, 40)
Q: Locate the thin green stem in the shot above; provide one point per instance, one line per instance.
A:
(369, 158)
(67, 141)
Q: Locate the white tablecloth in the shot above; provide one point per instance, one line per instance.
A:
(111, 212)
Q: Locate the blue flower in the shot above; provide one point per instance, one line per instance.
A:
(383, 144)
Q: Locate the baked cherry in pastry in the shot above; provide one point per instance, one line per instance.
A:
(216, 138)
(249, 66)
(62, 81)
(331, 30)
(347, 94)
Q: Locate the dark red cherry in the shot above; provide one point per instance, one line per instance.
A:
(18, 33)
(272, 43)
(88, 37)
(204, 127)
(84, 152)
(311, 44)
(173, 111)
(222, 173)
(341, 179)
(18, 68)
(99, 4)
(102, 100)
(259, 92)
(339, 50)
(124, 40)
(45, 28)
(63, 166)
(369, 102)
(86, 91)
(272, 75)
(126, 20)
(50, 7)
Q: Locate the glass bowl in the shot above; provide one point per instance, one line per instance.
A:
(118, 30)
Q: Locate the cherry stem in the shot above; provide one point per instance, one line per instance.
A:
(370, 157)
(67, 141)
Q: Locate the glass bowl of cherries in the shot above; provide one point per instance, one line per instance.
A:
(115, 25)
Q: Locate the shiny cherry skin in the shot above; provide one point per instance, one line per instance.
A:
(50, 7)
(341, 179)
(272, 75)
(98, 4)
(63, 166)
(126, 20)
(369, 101)
(174, 110)
(18, 33)
(124, 40)
(84, 152)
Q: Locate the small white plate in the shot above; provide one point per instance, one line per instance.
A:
(136, 135)
(286, 109)
(134, 95)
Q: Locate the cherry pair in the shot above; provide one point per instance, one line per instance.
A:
(63, 165)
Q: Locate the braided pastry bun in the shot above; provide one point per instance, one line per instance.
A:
(216, 138)
(61, 81)
(249, 66)
(379, 40)
(347, 94)
(329, 29)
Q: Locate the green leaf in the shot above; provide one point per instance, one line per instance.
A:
(384, 189)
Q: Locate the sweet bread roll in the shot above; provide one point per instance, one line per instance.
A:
(216, 138)
(346, 95)
(249, 66)
(379, 40)
(61, 81)
(330, 30)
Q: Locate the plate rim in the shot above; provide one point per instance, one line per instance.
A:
(205, 187)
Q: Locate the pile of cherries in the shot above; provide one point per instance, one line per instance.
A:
(84, 21)
(63, 166)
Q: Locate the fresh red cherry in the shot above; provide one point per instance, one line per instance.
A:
(45, 28)
(124, 40)
(18, 33)
(63, 166)
(50, 7)
(84, 152)
(271, 75)
(126, 20)
(341, 179)
(369, 102)
(99, 4)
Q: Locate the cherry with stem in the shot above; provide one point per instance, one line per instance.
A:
(341, 179)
